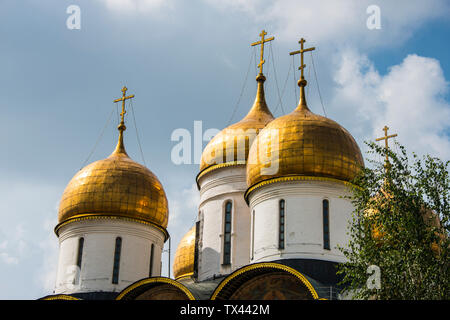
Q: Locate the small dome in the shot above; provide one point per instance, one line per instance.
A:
(115, 186)
(183, 264)
(382, 200)
(232, 144)
(307, 145)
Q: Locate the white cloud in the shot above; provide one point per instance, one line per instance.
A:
(408, 99)
(338, 21)
(183, 206)
(13, 249)
(46, 277)
(136, 5)
(5, 256)
(28, 245)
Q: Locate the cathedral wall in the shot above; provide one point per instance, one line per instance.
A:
(303, 220)
(97, 263)
(216, 188)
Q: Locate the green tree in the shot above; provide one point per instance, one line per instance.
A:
(400, 224)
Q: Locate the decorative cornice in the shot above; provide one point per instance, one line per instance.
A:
(311, 189)
(262, 265)
(84, 217)
(293, 178)
(125, 228)
(233, 182)
(216, 167)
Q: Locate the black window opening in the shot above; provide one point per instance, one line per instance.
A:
(227, 234)
(115, 278)
(150, 271)
(196, 248)
(281, 225)
(326, 224)
(80, 252)
(79, 260)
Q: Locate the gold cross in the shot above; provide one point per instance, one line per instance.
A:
(301, 51)
(122, 114)
(261, 62)
(385, 138)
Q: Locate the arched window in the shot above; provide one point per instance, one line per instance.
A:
(80, 252)
(115, 278)
(150, 272)
(281, 225)
(227, 234)
(326, 224)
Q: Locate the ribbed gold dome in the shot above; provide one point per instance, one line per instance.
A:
(382, 199)
(232, 144)
(183, 264)
(307, 145)
(116, 186)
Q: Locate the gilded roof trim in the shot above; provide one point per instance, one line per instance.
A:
(96, 216)
(155, 280)
(59, 297)
(186, 275)
(262, 265)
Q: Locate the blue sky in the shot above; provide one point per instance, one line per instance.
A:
(186, 61)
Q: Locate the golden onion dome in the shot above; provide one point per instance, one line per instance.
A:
(115, 187)
(429, 217)
(231, 145)
(372, 213)
(183, 265)
(302, 144)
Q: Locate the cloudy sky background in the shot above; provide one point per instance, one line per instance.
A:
(187, 61)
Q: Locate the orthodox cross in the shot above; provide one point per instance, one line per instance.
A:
(385, 138)
(122, 114)
(262, 35)
(301, 51)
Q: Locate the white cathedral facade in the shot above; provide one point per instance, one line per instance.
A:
(273, 209)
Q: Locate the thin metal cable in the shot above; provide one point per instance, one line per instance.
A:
(284, 87)
(99, 138)
(268, 70)
(317, 83)
(137, 133)
(256, 66)
(295, 84)
(276, 79)
(309, 77)
(117, 112)
(242, 90)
